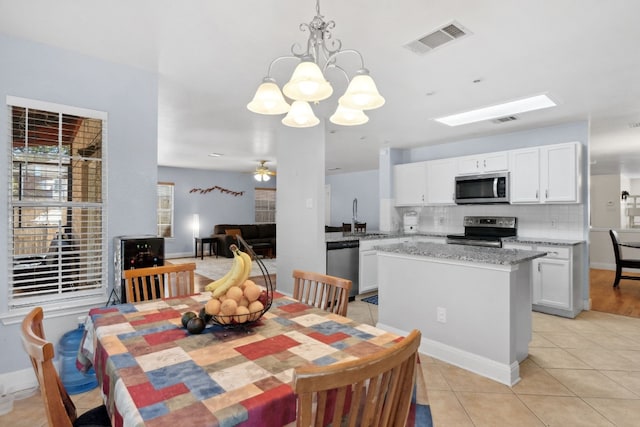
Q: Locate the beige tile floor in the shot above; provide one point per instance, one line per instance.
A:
(580, 372)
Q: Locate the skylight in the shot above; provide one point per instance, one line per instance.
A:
(524, 105)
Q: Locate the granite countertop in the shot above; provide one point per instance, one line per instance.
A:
(479, 254)
(376, 235)
(542, 241)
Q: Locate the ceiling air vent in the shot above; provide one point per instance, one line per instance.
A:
(505, 119)
(435, 39)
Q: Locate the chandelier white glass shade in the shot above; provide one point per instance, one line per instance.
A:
(300, 116)
(308, 82)
(362, 93)
(348, 117)
(268, 99)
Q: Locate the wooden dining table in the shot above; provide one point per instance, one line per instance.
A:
(152, 372)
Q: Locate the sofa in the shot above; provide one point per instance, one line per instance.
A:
(260, 236)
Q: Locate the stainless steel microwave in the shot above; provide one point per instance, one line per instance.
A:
(482, 188)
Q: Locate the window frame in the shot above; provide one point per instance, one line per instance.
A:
(95, 262)
(170, 210)
(270, 211)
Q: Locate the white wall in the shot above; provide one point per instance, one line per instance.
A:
(605, 201)
(300, 203)
(357, 185)
(129, 96)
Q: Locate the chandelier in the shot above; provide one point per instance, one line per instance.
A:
(308, 83)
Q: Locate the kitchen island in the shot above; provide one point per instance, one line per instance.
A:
(472, 304)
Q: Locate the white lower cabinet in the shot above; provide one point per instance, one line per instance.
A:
(551, 281)
(368, 273)
(556, 288)
(368, 278)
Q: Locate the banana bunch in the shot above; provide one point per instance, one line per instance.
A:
(236, 276)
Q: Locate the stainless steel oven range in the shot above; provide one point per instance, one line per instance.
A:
(485, 231)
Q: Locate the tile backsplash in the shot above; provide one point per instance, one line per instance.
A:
(545, 220)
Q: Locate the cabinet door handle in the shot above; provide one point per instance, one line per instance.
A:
(536, 194)
(477, 164)
(546, 194)
(484, 163)
(539, 267)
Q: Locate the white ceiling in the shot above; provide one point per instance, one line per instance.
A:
(211, 56)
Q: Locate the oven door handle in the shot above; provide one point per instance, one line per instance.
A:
(495, 188)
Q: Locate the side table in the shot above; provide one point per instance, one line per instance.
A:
(213, 246)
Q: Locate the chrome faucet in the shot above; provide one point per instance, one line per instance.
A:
(354, 216)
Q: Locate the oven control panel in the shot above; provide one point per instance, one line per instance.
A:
(490, 221)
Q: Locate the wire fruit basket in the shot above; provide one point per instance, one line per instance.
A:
(241, 321)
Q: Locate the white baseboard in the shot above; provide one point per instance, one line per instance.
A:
(18, 381)
(179, 255)
(503, 373)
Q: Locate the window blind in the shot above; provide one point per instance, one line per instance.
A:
(265, 205)
(165, 209)
(57, 213)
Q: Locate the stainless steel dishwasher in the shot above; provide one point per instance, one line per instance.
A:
(343, 260)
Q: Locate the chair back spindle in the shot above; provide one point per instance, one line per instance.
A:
(326, 292)
(372, 391)
(143, 284)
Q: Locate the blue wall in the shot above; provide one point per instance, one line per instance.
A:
(212, 208)
(129, 96)
(361, 185)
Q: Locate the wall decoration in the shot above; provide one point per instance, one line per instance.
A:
(215, 187)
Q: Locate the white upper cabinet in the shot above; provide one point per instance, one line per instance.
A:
(525, 175)
(481, 163)
(441, 176)
(547, 174)
(560, 177)
(410, 184)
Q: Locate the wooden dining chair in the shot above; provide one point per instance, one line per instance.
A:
(143, 284)
(360, 227)
(622, 262)
(373, 391)
(326, 292)
(60, 409)
(346, 227)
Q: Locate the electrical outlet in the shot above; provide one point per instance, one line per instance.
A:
(441, 220)
(554, 222)
(441, 315)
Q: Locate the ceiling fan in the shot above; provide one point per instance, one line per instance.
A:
(262, 172)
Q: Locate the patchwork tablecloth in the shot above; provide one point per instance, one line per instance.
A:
(154, 373)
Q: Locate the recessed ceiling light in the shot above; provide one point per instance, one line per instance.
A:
(214, 155)
(532, 103)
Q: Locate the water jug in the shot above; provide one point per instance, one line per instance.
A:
(74, 380)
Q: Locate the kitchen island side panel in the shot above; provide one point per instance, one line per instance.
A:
(487, 310)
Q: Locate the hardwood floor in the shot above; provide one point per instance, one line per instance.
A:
(624, 300)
